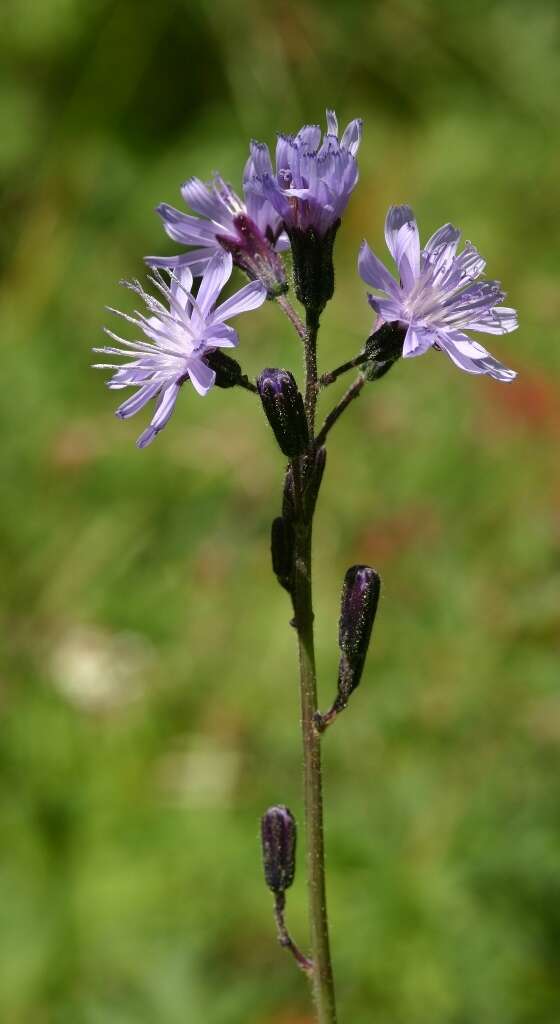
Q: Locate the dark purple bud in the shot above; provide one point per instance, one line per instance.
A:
(284, 409)
(358, 605)
(278, 835)
(282, 550)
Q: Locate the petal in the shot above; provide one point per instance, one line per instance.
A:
(185, 229)
(216, 275)
(387, 309)
(197, 260)
(374, 272)
(222, 336)
(417, 342)
(202, 198)
(332, 123)
(161, 416)
(407, 248)
(396, 218)
(137, 401)
(309, 138)
(261, 158)
(460, 360)
(146, 437)
(493, 368)
(496, 321)
(251, 296)
(165, 406)
(181, 285)
(352, 136)
(202, 377)
(285, 151)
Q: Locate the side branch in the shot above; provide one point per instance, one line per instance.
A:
(329, 378)
(353, 392)
(293, 317)
(284, 937)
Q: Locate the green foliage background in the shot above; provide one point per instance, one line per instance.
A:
(149, 697)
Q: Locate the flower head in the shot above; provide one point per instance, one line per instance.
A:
(250, 230)
(314, 175)
(439, 296)
(181, 332)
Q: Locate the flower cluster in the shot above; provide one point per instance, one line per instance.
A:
(296, 205)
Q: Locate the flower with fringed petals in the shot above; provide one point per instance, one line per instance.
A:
(314, 175)
(438, 297)
(309, 188)
(251, 230)
(181, 332)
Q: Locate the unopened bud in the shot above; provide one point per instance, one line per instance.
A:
(282, 550)
(278, 835)
(358, 605)
(284, 409)
(360, 596)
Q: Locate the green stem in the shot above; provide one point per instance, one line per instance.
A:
(353, 392)
(322, 976)
(311, 332)
(294, 318)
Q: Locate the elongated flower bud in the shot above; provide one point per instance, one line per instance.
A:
(284, 409)
(358, 605)
(278, 835)
(360, 595)
(282, 550)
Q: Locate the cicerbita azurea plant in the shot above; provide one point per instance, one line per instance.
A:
(437, 298)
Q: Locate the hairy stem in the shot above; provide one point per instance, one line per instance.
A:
(293, 317)
(284, 937)
(353, 392)
(322, 975)
(311, 332)
(329, 378)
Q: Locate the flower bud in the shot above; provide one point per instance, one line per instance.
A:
(358, 605)
(278, 835)
(282, 550)
(313, 266)
(284, 409)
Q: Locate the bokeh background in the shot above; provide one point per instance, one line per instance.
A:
(149, 696)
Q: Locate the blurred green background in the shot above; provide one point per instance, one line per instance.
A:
(149, 695)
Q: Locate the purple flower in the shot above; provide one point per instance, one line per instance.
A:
(438, 297)
(251, 231)
(313, 178)
(181, 331)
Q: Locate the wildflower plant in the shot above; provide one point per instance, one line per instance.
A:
(437, 298)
